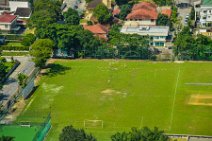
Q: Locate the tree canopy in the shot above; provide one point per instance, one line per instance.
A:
(189, 47)
(71, 134)
(163, 2)
(125, 10)
(144, 134)
(3, 70)
(41, 51)
(121, 2)
(71, 17)
(102, 14)
(45, 12)
(163, 20)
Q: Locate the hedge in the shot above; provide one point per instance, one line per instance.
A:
(6, 47)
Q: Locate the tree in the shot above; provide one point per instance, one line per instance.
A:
(6, 138)
(22, 78)
(163, 20)
(71, 134)
(125, 10)
(52, 11)
(28, 39)
(41, 51)
(102, 13)
(3, 71)
(71, 17)
(121, 2)
(163, 2)
(144, 134)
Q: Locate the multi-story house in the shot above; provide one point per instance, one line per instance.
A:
(8, 23)
(205, 13)
(142, 21)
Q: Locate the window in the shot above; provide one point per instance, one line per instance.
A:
(6, 26)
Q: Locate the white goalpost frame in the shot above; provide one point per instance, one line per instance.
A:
(93, 122)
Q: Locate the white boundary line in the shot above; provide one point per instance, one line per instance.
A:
(174, 99)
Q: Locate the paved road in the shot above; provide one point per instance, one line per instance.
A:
(11, 85)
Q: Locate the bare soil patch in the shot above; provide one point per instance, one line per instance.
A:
(200, 100)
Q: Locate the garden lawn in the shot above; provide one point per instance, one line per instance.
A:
(175, 97)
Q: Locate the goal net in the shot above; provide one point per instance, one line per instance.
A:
(93, 123)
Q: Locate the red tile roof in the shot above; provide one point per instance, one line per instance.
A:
(167, 12)
(144, 5)
(144, 11)
(6, 18)
(116, 11)
(96, 29)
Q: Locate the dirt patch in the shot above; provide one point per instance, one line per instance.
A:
(200, 100)
(179, 62)
(111, 92)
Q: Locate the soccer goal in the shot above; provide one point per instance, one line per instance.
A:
(93, 124)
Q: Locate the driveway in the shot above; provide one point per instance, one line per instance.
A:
(182, 13)
(11, 85)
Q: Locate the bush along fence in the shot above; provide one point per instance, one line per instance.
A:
(24, 92)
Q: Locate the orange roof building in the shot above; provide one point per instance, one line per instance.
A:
(98, 30)
(143, 11)
(167, 12)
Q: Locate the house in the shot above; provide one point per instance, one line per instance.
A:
(18, 3)
(144, 13)
(157, 34)
(186, 3)
(4, 5)
(205, 32)
(116, 11)
(98, 30)
(204, 13)
(23, 13)
(8, 23)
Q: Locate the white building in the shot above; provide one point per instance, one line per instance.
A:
(13, 5)
(204, 13)
(157, 34)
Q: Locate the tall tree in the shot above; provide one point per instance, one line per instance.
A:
(163, 20)
(71, 134)
(102, 14)
(3, 71)
(121, 2)
(125, 10)
(41, 50)
(71, 17)
(144, 134)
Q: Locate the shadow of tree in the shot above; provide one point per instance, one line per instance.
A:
(56, 69)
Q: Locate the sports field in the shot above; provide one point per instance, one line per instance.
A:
(176, 97)
(20, 133)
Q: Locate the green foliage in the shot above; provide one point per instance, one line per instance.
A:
(163, 20)
(163, 2)
(71, 134)
(189, 47)
(121, 2)
(6, 138)
(28, 40)
(89, 23)
(129, 46)
(10, 47)
(22, 78)
(71, 37)
(52, 11)
(144, 134)
(125, 10)
(102, 14)
(87, 1)
(41, 51)
(3, 70)
(71, 17)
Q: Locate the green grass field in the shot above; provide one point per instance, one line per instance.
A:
(124, 94)
(20, 133)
